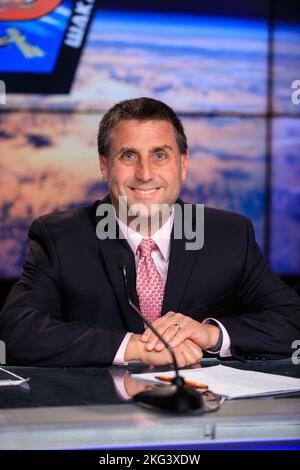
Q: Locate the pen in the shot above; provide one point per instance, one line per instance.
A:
(189, 383)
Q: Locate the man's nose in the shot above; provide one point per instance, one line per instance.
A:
(144, 171)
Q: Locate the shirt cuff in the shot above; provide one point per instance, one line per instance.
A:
(118, 380)
(119, 357)
(226, 343)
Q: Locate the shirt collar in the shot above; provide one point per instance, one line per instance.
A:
(162, 236)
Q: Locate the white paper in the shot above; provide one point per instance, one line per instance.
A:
(233, 383)
(10, 378)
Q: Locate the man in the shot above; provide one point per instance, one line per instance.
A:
(70, 306)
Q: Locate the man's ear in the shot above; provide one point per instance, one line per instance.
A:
(184, 164)
(103, 166)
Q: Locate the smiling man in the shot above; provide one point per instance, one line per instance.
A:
(70, 306)
(144, 164)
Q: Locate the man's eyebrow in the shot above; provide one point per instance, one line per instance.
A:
(163, 147)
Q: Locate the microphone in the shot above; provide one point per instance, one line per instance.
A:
(176, 397)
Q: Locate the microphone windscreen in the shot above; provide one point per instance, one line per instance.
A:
(123, 259)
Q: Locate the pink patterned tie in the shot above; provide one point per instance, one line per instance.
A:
(149, 284)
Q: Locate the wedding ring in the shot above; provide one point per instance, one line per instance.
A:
(177, 326)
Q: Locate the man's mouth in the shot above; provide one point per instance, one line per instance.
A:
(144, 192)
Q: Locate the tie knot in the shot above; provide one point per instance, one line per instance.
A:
(146, 246)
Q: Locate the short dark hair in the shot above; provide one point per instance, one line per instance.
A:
(142, 109)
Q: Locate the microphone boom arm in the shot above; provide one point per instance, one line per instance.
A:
(177, 380)
(176, 397)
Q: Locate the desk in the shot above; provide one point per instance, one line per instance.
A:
(79, 408)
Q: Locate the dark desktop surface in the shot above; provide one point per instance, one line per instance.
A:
(82, 408)
(76, 386)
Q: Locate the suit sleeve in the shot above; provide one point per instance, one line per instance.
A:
(268, 320)
(32, 323)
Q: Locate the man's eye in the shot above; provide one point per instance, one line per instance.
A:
(160, 156)
(127, 156)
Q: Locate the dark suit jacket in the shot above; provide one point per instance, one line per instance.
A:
(70, 308)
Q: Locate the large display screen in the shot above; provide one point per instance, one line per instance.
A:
(225, 67)
(41, 42)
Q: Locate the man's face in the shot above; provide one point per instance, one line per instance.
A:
(144, 163)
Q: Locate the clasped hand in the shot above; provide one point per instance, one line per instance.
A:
(178, 329)
(187, 337)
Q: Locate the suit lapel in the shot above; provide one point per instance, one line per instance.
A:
(109, 249)
(181, 264)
